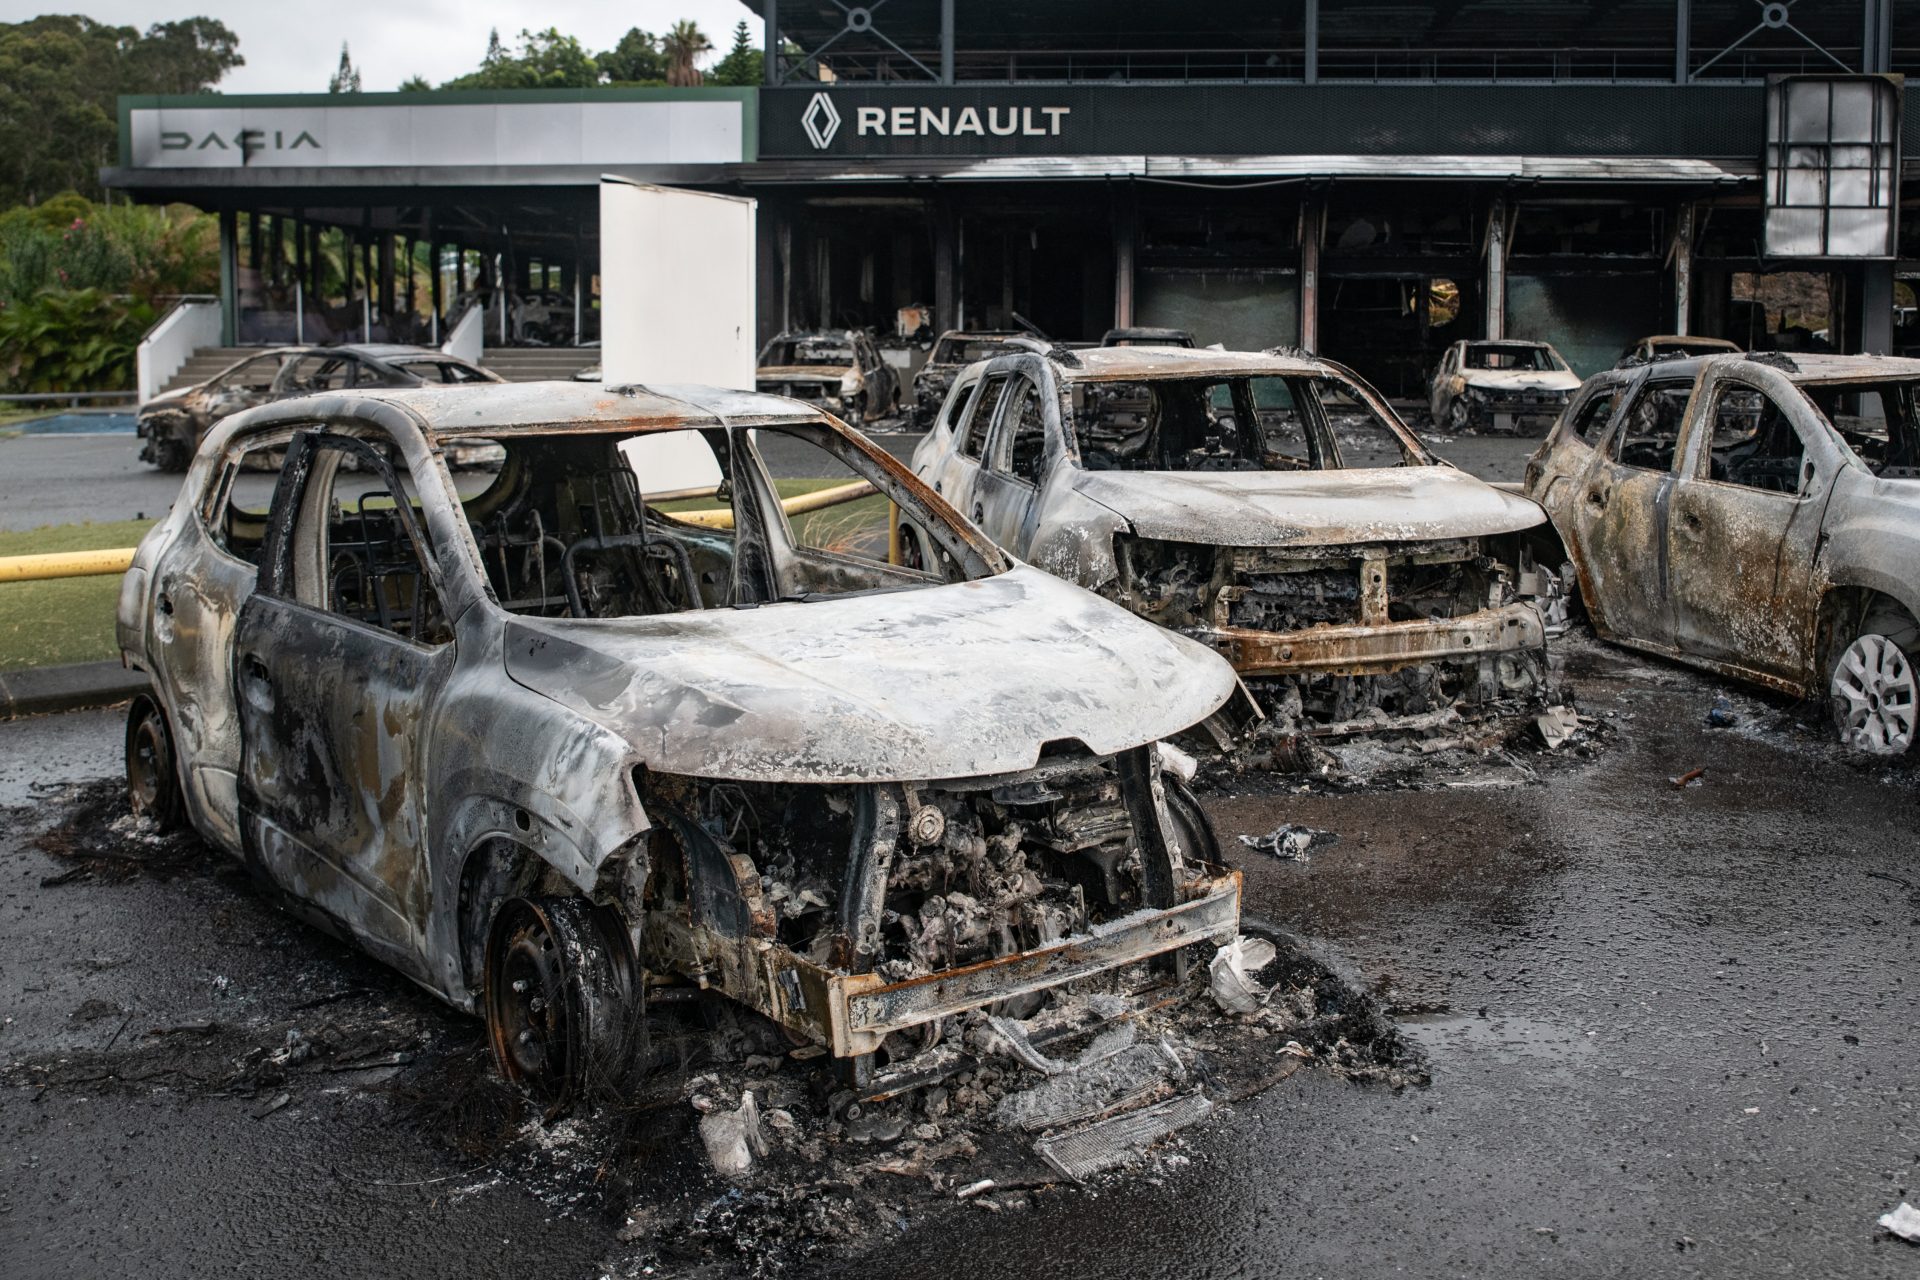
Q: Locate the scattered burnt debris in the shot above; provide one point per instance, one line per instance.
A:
(982, 1112)
(96, 835)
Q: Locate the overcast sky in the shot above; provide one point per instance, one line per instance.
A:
(294, 47)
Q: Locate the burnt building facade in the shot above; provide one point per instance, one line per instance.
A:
(1370, 181)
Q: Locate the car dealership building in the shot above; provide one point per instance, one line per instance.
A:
(1367, 180)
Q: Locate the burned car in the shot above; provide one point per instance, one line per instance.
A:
(955, 350)
(539, 743)
(1758, 516)
(1671, 346)
(174, 424)
(839, 370)
(1268, 504)
(1505, 386)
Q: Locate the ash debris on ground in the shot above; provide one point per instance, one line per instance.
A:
(984, 1113)
(97, 836)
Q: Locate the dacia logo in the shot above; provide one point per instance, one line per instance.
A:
(248, 142)
(820, 121)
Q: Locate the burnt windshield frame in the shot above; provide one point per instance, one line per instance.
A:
(1303, 386)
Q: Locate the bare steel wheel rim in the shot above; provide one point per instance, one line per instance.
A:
(532, 1020)
(147, 764)
(1874, 697)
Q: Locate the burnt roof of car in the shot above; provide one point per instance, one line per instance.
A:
(492, 408)
(1796, 367)
(1183, 362)
(1722, 344)
(1506, 342)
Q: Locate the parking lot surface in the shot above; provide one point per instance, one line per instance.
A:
(1669, 1030)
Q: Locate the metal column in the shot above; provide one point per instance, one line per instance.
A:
(229, 276)
(1876, 36)
(1876, 307)
(946, 41)
(1682, 41)
(1683, 225)
(1311, 69)
(946, 297)
(1313, 222)
(1496, 280)
(771, 58)
(1126, 222)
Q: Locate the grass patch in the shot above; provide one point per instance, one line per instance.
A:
(848, 526)
(66, 620)
(45, 624)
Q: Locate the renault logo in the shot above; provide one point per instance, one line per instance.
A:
(820, 121)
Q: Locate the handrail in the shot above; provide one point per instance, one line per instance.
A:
(191, 323)
(88, 564)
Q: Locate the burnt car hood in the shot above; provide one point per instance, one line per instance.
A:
(951, 681)
(1522, 379)
(170, 400)
(781, 372)
(1308, 508)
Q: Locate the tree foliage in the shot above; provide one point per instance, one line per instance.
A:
(636, 60)
(683, 44)
(149, 252)
(543, 60)
(60, 78)
(346, 79)
(744, 64)
(71, 340)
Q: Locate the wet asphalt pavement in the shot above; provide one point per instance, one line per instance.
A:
(1670, 1031)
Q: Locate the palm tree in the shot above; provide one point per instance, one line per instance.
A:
(684, 42)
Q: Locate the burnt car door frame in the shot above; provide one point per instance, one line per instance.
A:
(1619, 512)
(1005, 504)
(1741, 562)
(198, 589)
(333, 711)
(956, 475)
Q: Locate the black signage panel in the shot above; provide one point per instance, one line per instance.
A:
(1686, 121)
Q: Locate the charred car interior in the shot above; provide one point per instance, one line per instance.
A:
(611, 719)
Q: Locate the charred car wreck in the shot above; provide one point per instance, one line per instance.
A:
(955, 350)
(838, 370)
(557, 742)
(1504, 386)
(174, 424)
(1755, 515)
(1269, 505)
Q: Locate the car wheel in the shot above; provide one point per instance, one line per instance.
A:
(171, 455)
(1457, 416)
(153, 776)
(857, 412)
(1873, 691)
(560, 999)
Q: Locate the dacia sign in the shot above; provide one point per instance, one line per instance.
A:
(469, 132)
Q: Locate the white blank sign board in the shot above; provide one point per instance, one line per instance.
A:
(676, 286)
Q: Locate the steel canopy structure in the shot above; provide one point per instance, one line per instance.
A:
(1367, 179)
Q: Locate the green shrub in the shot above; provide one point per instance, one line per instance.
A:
(70, 340)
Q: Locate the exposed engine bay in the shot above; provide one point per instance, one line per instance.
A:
(1332, 638)
(873, 912)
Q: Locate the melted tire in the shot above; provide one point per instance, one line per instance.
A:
(560, 1000)
(153, 773)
